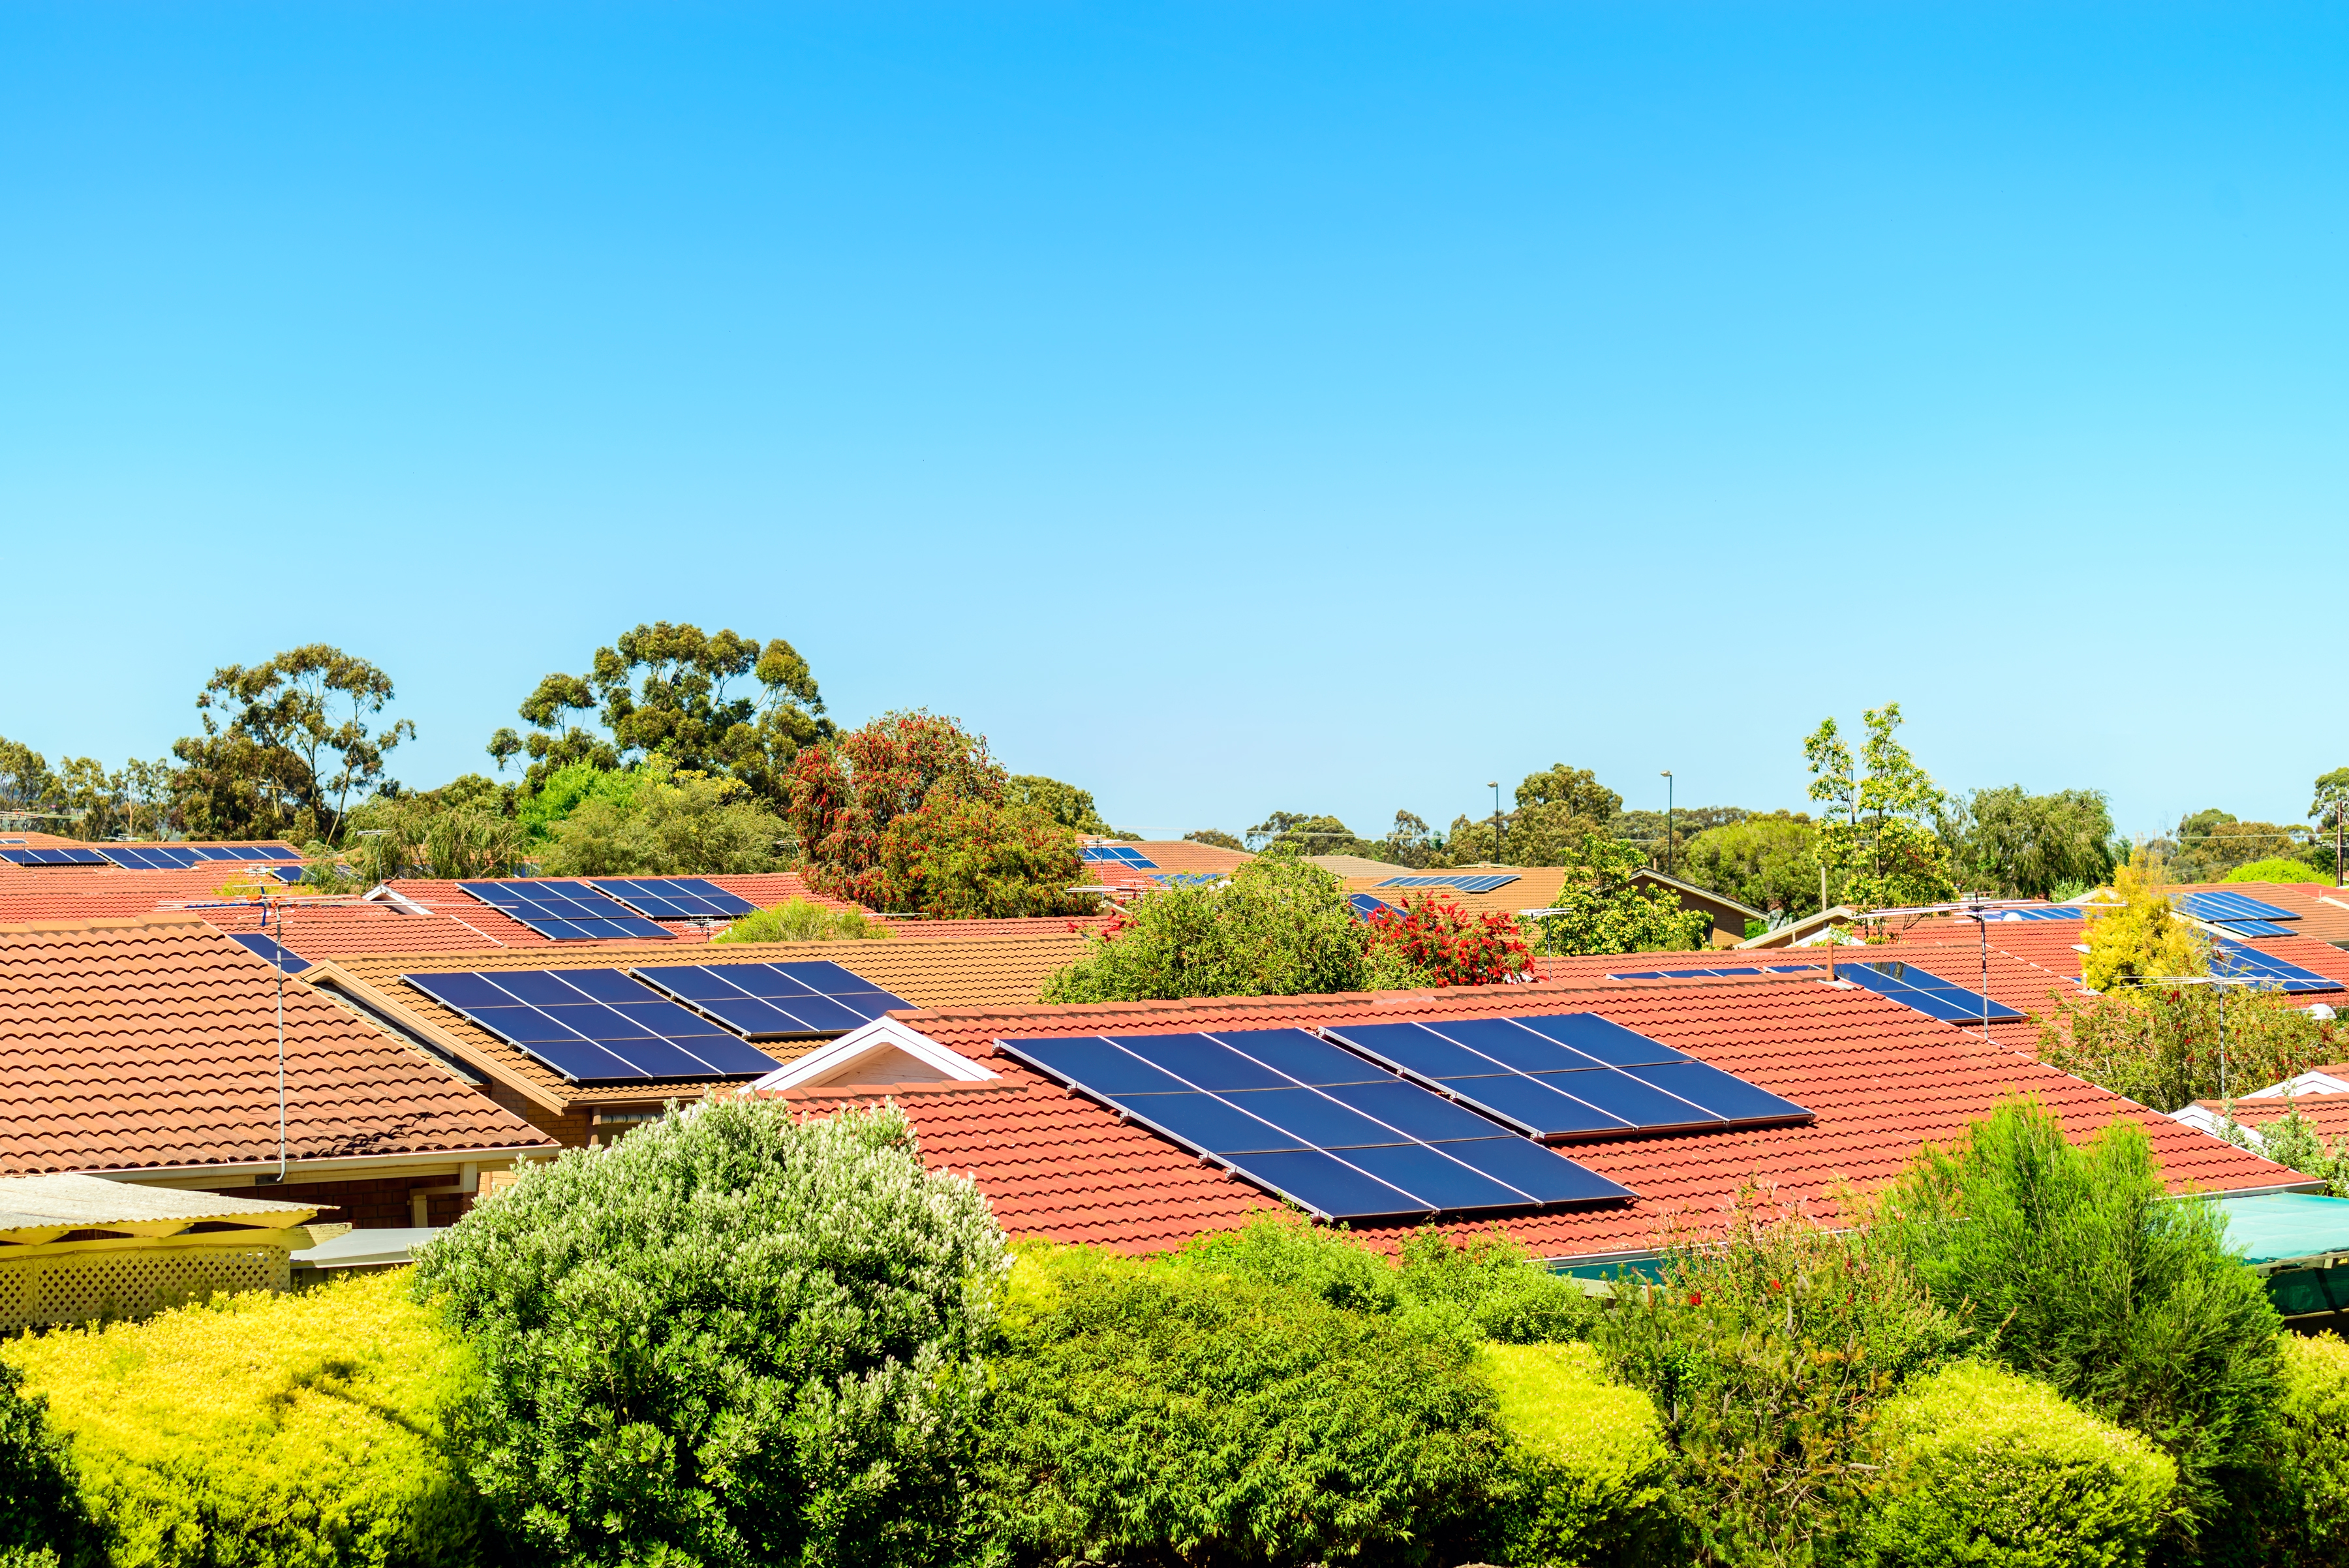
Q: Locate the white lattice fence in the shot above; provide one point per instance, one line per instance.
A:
(130, 1283)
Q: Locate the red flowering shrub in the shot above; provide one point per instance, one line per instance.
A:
(908, 814)
(1451, 945)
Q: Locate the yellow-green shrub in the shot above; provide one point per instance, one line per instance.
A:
(1595, 1466)
(2311, 1451)
(265, 1431)
(1986, 1467)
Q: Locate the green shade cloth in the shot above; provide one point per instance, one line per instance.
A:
(2273, 1225)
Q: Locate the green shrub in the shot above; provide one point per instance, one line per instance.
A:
(267, 1431)
(1175, 1415)
(801, 921)
(1592, 1486)
(1988, 1468)
(2310, 1453)
(2081, 1271)
(38, 1506)
(730, 1338)
(2275, 869)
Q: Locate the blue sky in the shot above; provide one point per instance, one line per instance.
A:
(1225, 407)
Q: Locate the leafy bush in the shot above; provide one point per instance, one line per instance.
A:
(1989, 1467)
(671, 823)
(38, 1506)
(803, 921)
(1600, 909)
(2159, 1045)
(730, 1338)
(1593, 1485)
(1171, 1415)
(1769, 1346)
(1279, 927)
(2293, 1141)
(2274, 870)
(2142, 938)
(1450, 946)
(2082, 1272)
(2310, 1454)
(264, 1430)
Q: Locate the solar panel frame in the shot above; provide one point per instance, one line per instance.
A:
(2219, 906)
(1481, 882)
(566, 910)
(674, 897)
(583, 1026)
(774, 1001)
(1923, 992)
(47, 855)
(288, 961)
(2238, 959)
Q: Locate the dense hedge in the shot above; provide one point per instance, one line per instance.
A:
(2310, 1454)
(1593, 1481)
(1986, 1467)
(265, 1431)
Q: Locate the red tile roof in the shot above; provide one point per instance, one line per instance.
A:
(152, 1043)
(1880, 1078)
(2329, 1114)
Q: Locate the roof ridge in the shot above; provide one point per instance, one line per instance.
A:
(154, 918)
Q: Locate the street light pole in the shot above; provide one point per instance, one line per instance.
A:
(1496, 787)
(1668, 822)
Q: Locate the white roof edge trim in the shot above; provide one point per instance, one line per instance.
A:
(2308, 1083)
(881, 1034)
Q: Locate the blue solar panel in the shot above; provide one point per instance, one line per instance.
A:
(255, 852)
(775, 1001)
(2228, 906)
(565, 911)
(1316, 1123)
(1926, 992)
(2236, 960)
(43, 856)
(1365, 906)
(1116, 854)
(1568, 1075)
(1481, 882)
(1702, 973)
(284, 958)
(675, 897)
(593, 1025)
(2039, 912)
(149, 857)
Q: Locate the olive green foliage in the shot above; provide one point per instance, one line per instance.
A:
(1602, 909)
(670, 823)
(2273, 870)
(803, 921)
(1875, 833)
(1279, 927)
(2293, 1141)
(1986, 1467)
(2310, 1454)
(2078, 1270)
(730, 1338)
(38, 1505)
(663, 690)
(85, 798)
(1064, 803)
(464, 828)
(1485, 1284)
(1770, 1347)
(2212, 843)
(2139, 937)
(1215, 838)
(2159, 1045)
(287, 745)
(1177, 1415)
(1306, 833)
(268, 1431)
(1593, 1485)
(1760, 861)
(1557, 810)
(2022, 845)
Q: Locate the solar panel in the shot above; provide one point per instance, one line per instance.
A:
(1480, 883)
(149, 857)
(284, 958)
(2229, 906)
(2253, 928)
(1700, 973)
(775, 1001)
(1116, 854)
(2040, 912)
(676, 898)
(1365, 906)
(1565, 1075)
(44, 856)
(254, 853)
(594, 1024)
(1926, 994)
(565, 911)
(2239, 961)
(1316, 1123)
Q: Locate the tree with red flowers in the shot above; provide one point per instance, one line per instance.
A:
(1450, 945)
(909, 813)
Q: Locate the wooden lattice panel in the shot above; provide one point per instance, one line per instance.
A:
(130, 1283)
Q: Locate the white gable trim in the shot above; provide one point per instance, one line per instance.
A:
(2305, 1083)
(881, 1035)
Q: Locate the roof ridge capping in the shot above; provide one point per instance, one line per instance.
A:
(154, 919)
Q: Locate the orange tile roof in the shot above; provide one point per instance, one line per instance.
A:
(2328, 1113)
(151, 1043)
(1004, 971)
(1880, 1078)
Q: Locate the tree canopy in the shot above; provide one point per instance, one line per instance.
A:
(1763, 862)
(2022, 845)
(1875, 836)
(285, 745)
(1602, 909)
(669, 689)
(1065, 804)
(2141, 939)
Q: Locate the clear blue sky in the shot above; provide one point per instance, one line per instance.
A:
(1225, 408)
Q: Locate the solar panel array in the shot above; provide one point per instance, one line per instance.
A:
(565, 911)
(774, 1001)
(283, 957)
(149, 857)
(1926, 994)
(255, 852)
(43, 856)
(2243, 917)
(2039, 912)
(1117, 855)
(1480, 883)
(1315, 1124)
(1365, 905)
(594, 1025)
(1701, 973)
(676, 898)
(1572, 1075)
(2240, 960)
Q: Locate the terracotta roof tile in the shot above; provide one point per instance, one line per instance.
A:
(154, 1043)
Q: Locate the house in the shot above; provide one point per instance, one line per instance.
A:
(153, 1049)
